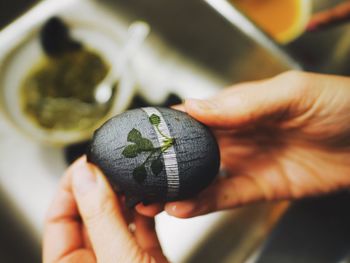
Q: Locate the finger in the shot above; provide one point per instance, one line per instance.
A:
(149, 210)
(334, 16)
(247, 103)
(179, 107)
(102, 216)
(223, 194)
(81, 255)
(146, 237)
(145, 232)
(62, 233)
(87, 242)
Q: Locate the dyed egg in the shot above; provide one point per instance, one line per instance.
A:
(155, 155)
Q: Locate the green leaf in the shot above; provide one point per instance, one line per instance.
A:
(145, 145)
(157, 166)
(131, 151)
(154, 119)
(134, 136)
(140, 174)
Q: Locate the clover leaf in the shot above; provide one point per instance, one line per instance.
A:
(157, 166)
(140, 173)
(145, 145)
(154, 119)
(141, 144)
(131, 151)
(134, 136)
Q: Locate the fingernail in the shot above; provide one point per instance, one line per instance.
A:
(203, 104)
(183, 209)
(84, 178)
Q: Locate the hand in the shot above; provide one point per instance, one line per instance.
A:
(86, 223)
(283, 138)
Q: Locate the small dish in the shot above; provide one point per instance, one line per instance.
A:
(96, 35)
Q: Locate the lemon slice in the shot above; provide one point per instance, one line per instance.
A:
(283, 20)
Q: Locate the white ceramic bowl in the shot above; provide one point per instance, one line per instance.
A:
(19, 60)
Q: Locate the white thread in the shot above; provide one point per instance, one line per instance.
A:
(169, 156)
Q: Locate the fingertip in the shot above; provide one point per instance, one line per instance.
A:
(179, 107)
(170, 209)
(199, 106)
(83, 178)
(208, 112)
(181, 209)
(101, 178)
(80, 159)
(149, 210)
(91, 189)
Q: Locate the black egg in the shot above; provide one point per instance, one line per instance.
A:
(155, 155)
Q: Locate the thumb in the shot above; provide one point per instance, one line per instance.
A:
(247, 103)
(102, 215)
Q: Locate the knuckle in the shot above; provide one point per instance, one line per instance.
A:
(296, 84)
(293, 75)
(294, 78)
(300, 79)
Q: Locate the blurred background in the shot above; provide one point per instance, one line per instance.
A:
(157, 52)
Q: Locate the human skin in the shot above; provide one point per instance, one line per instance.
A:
(87, 223)
(283, 138)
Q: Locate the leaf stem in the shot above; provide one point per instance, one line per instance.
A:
(161, 133)
(168, 142)
(151, 154)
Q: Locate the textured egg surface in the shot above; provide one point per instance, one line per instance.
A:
(155, 154)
